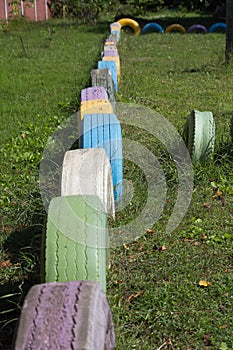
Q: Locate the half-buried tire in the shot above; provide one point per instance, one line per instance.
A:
(77, 240)
(104, 131)
(88, 172)
(199, 133)
(103, 77)
(73, 315)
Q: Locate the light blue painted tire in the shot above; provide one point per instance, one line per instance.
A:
(152, 27)
(111, 65)
(104, 131)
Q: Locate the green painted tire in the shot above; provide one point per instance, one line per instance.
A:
(199, 134)
(76, 240)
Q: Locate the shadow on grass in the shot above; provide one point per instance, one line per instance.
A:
(19, 272)
(186, 22)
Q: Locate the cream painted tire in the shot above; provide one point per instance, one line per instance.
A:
(88, 172)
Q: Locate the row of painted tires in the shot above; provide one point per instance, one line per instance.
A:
(199, 130)
(70, 310)
(155, 27)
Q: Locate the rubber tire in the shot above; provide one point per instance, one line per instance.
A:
(199, 134)
(73, 315)
(110, 47)
(111, 39)
(94, 93)
(76, 240)
(175, 27)
(115, 28)
(155, 27)
(104, 131)
(130, 23)
(217, 26)
(197, 28)
(95, 107)
(117, 60)
(116, 34)
(111, 53)
(88, 172)
(111, 65)
(115, 24)
(102, 77)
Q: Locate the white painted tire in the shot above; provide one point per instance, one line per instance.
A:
(88, 172)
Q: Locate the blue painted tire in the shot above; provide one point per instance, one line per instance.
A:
(104, 131)
(155, 27)
(197, 28)
(218, 27)
(111, 65)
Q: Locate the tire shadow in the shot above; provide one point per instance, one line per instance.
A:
(18, 273)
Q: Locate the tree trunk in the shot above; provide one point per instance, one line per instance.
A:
(229, 30)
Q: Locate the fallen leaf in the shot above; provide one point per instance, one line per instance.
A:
(196, 243)
(5, 263)
(150, 231)
(207, 205)
(204, 283)
(207, 340)
(125, 246)
(223, 327)
(163, 248)
(23, 135)
(118, 281)
(134, 296)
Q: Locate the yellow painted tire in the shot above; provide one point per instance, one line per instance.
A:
(109, 43)
(115, 28)
(95, 107)
(117, 60)
(130, 23)
(175, 27)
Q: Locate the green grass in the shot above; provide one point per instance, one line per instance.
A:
(41, 79)
(154, 293)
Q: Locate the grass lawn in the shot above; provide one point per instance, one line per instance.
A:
(153, 283)
(154, 287)
(44, 68)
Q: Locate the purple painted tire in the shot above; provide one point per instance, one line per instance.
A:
(111, 53)
(73, 315)
(197, 28)
(94, 93)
